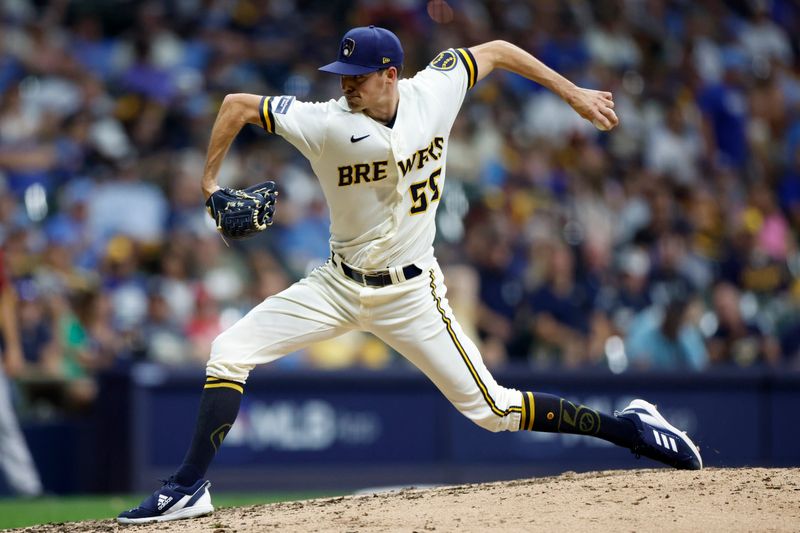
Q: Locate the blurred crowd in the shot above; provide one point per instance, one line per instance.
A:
(669, 243)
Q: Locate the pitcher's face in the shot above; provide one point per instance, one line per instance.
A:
(367, 90)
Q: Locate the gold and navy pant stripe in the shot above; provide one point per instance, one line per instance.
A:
(265, 114)
(528, 412)
(469, 63)
(216, 383)
(475, 376)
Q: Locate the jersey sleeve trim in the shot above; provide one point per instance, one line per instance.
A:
(265, 114)
(468, 60)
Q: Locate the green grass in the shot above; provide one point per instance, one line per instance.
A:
(20, 512)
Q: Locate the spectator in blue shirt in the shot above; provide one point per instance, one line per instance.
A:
(665, 338)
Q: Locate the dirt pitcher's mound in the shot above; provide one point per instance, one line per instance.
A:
(747, 499)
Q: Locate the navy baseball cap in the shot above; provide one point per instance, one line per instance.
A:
(364, 50)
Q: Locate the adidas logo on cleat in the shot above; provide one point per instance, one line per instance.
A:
(163, 500)
(665, 440)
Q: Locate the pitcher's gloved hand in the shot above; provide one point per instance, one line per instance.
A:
(240, 213)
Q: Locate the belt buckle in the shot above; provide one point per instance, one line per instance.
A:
(371, 279)
(359, 277)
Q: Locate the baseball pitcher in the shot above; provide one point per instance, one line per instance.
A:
(379, 153)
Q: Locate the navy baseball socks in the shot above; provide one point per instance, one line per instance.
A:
(219, 406)
(552, 414)
(186, 494)
(639, 427)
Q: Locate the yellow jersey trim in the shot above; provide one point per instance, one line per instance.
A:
(265, 114)
(470, 65)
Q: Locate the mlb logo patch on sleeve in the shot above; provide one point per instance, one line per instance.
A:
(283, 104)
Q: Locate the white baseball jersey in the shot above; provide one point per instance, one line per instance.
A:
(382, 184)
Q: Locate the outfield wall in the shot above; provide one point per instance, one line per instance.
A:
(355, 429)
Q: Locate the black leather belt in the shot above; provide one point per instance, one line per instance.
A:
(378, 278)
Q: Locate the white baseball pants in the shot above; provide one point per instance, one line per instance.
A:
(413, 317)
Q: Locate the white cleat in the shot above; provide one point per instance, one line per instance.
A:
(660, 440)
(171, 502)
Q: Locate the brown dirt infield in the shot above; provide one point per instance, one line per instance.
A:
(723, 500)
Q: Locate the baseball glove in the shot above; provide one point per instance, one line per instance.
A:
(240, 213)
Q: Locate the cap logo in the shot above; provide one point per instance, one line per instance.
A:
(348, 45)
(386, 60)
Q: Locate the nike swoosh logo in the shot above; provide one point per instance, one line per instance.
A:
(354, 139)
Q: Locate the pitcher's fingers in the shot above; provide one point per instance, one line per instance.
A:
(609, 114)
